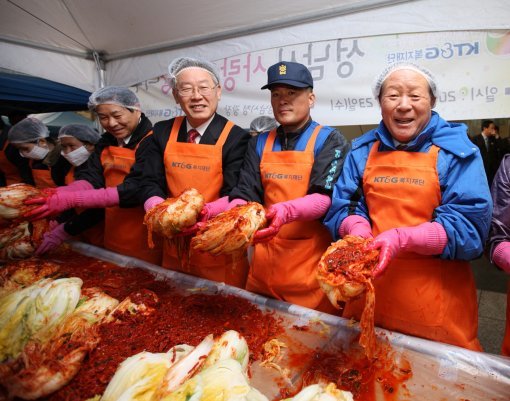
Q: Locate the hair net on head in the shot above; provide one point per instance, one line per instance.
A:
(29, 129)
(81, 132)
(378, 83)
(180, 64)
(114, 95)
(263, 124)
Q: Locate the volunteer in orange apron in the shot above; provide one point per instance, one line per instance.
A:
(32, 139)
(13, 167)
(202, 150)
(417, 184)
(112, 170)
(77, 142)
(291, 171)
(499, 235)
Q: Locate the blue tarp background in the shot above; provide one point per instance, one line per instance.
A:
(30, 94)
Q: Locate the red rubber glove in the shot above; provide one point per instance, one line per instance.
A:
(357, 226)
(57, 203)
(425, 239)
(501, 256)
(52, 239)
(307, 208)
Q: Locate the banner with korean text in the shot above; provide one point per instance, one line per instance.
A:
(471, 69)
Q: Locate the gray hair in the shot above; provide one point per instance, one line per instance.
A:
(180, 64)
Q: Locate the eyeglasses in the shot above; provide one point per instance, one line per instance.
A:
(202, 90)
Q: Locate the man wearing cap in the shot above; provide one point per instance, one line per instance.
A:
(416, 184)
(212, 145)
(111, 178)
(291, 170)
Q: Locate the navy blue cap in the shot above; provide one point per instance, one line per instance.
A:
(289, 73)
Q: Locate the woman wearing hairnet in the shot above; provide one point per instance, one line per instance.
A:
(262, 124)
(112, 171)
(13, 167)
(77, 142)
(204, 139)
(416, 183)
(32, 139)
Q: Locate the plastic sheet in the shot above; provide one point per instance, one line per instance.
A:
(439, 371)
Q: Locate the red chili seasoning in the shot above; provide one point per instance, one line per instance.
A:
(176, 319)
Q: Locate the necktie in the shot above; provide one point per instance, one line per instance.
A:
(192, 135)
(401, 147)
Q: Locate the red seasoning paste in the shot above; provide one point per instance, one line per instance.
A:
(176, 319)
(352, 371)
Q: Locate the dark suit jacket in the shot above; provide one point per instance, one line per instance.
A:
(492, 155)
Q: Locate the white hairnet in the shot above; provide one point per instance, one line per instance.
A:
(263, 124)
(114, 95)
(81, 132)
(378, 83)
(180, 64)
(29, 129)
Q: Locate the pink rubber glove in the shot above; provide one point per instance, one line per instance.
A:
(210, 210)
(151, 202)
(501, 256)
(57, 203)
(425, 239)
(79, 185)
(357, 226)
(236, 202)
(52, 239)
(307, 208)
(214, 208)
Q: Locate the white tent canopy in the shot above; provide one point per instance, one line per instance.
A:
(131, 41)
(56, 39)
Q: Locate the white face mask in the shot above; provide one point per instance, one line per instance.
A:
(78, 156)
(37, 153)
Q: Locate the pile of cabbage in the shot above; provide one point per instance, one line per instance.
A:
(19, 238)
(38, 322)
(213, 370)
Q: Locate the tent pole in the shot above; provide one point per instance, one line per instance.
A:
(99, 68)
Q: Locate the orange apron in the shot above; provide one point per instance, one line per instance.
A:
(285, 267)
(94, 235)
(69, 178)
(11, 172)
(505, 350)
(418, 295)
(200, 166)
(124, 230)
(42, 178)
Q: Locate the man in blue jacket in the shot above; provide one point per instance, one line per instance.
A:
(416, 183)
